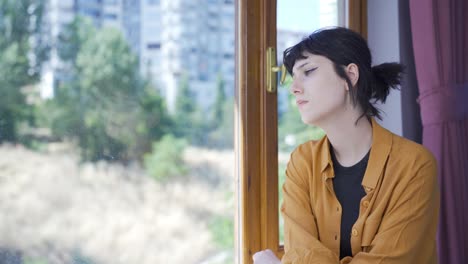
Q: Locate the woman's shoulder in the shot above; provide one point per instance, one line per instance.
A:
(305, 159)
(410, 152)
(310, 150)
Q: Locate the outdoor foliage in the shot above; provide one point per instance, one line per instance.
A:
(106, 105)
(165, 160)
(218, 107)
(222, 130)
(222, 229)
(103, 106)
(222, 136)
(190, 122)
(22, 51)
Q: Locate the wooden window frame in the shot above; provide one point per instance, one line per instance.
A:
(256, 125)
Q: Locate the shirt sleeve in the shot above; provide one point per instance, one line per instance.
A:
(407, 232)
(300, 229)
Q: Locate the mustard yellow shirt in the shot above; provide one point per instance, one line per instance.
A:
(398, 216)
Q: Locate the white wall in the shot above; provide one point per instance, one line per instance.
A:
(383, 39)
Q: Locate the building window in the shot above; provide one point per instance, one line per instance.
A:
(154, 46)
(110, 16)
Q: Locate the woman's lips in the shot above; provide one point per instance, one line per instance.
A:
(301, 103)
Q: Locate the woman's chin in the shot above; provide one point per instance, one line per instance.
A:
(309, 120)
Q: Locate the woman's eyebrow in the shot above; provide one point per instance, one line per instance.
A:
(302, 65)
(299, 67)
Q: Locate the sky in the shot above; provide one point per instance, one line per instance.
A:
(297, 15)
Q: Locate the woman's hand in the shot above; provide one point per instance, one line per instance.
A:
(265, 257)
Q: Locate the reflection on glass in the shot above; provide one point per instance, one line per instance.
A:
(116, 131)
(296, 20)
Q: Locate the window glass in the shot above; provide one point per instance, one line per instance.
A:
(112, 152)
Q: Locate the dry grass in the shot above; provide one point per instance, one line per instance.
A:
(51, 206)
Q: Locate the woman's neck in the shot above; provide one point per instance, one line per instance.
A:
(350, 141)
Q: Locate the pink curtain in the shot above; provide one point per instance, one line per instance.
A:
(440, 42)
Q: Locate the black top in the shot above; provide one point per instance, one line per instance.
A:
(349, 191)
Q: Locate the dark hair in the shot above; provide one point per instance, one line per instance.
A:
(343, 46)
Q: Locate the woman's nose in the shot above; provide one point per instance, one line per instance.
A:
(295, 87)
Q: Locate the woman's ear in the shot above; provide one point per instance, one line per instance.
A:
(352, 70)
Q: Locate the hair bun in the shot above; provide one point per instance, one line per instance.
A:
(386, 76)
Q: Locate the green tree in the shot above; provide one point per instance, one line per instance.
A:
(185, 104)
(72, 38)
(166, 159)
(107, 106)
(223, 135)
(22, 51)
(218, 108)
(65, 112)
(188, 118)
(154, 121)
(222, 127)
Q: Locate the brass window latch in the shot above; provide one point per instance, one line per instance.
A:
(272, 69)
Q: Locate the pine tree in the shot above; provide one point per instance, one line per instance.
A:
(218, 109)
(186, 115)
(22, 51)
(107, 106)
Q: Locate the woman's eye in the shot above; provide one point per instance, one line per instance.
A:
(309, 71)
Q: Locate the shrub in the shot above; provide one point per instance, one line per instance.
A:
(165, 160)
(222, 230)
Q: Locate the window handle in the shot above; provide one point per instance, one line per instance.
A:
(272, 69)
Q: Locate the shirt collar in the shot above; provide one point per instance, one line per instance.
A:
(380, 150)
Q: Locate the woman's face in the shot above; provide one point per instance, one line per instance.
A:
(320, 93)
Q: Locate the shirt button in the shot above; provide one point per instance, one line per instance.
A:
(354, 232)
(365, 203)
(368, 189)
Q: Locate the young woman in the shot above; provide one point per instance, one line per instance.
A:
(361, 194)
